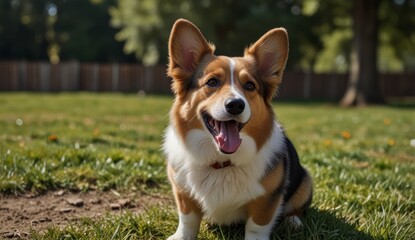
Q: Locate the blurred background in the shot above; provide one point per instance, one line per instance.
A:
(352, 52)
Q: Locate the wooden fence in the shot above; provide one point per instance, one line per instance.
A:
(75, 76)
(94, 77)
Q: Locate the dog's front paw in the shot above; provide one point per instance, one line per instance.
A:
(254, 231)
(188, 227)
(256, 237)
(177, 236)
(294, 222)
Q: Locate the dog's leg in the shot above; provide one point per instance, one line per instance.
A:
(188, 227)
(263, 211)
(190, 217)
(299, 202)
(190, 214)
(294, 222)
(262, 218)
(254, 231)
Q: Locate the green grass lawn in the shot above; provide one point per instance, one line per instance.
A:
(361, 160)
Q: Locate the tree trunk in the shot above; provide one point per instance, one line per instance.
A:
(363, 87)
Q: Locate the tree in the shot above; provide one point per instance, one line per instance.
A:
(377, 35)
(144, 25)
(363, 86)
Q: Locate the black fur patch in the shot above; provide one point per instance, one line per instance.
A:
(296, 172)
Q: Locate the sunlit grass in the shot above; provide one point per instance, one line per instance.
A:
(79, 141)
(361, 160)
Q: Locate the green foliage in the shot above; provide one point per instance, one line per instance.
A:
(140, 22)
(145, 25)
(335, 45)
(361, 161)
(128, 30)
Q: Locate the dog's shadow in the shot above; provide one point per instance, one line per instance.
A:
(318, 224)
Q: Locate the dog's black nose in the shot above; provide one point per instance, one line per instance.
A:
(235, 106)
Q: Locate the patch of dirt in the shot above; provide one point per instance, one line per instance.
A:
(20, 214)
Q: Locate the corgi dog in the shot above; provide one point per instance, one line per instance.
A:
(228, 158)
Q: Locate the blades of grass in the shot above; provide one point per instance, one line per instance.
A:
(116, 230)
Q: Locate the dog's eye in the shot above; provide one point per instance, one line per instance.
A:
(213, 82)
(250, 86)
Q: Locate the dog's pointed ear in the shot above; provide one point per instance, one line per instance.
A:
(270, 53)
(187, 46)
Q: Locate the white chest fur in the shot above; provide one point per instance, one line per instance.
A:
(223, 192)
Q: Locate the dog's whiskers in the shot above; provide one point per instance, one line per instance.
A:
(188, 123)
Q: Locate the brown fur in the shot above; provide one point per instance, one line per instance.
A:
(262, 209)
(185, 203)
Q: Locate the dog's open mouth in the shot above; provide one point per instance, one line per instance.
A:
(225, 133)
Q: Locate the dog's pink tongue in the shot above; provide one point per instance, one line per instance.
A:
(228, 137)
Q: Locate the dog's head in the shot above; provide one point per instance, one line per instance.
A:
(224, 96)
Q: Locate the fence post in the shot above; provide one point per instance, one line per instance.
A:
(22, 76)
(75, 75)
(307, 84)
(95, 76)
(44, 76)
(115, 73)
(333, 86)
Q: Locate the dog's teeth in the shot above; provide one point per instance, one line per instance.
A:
(211, 122)
(217, 126)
